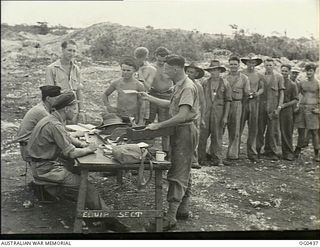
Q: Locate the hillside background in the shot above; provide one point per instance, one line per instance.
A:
(108, 41)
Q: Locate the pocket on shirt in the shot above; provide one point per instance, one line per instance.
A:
(275, 90)
(237, 93)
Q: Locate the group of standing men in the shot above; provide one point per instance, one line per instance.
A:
(170, 90)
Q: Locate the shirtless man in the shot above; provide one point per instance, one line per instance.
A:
(146, 74)
(161, 88)
(307, 119)
(250, 110)
(128, 104)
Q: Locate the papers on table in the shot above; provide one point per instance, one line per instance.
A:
(80, 127)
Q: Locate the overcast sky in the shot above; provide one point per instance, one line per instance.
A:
(297, 17)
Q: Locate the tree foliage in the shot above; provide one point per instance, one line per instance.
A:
(193, 44)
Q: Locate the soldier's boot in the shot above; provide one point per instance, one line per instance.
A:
(297, 152)
(169, 221)
(316, 155)
(183, 210)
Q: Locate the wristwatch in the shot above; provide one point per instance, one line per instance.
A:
(279, 107)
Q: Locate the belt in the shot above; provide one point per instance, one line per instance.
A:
(38, 160)
(236, 99)
(22, 143)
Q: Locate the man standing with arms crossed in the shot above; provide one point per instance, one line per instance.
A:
(66, 74)
(250, 109)
(270, 105)
(161, 88)
(183, 112)
(240, 87)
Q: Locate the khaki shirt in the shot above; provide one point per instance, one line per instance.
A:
(273, 83)
(216, 92)
(291, 91)
(29, 121)
(240, 86)
(49, 139)
(56, 75)
(185, 93)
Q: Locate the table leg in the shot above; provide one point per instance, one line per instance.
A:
(119, 176)
(158, 197)
(77, 228)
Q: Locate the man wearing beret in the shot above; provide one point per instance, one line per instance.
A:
(34, 115)
(50, 143)
(183, 111)
(65, 73)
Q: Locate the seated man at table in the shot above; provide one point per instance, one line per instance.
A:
(49, 141)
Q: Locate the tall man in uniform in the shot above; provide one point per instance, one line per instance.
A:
(49, 141)
(34, 115)
(217, 93)
(183, 112)
(161, 88)
(240, 87)
(194, 72)
(270, 105)
(290, 100)
(66, 74)
(250, 108)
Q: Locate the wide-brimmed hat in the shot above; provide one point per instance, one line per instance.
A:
(252, 57)
(197, 68)
(215, 64)
(111, 119)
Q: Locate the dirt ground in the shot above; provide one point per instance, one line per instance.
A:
(275, 196)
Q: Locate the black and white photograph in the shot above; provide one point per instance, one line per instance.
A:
(180, 119)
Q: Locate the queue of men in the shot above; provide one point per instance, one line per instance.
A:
(170, 91)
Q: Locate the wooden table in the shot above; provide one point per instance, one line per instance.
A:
(97, 162)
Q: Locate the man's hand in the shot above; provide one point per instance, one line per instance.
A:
(111, 109)
(92, 146)
(78, 133)
(203, 123)
(153, 126)
(315, 111)
(83, 144)
(82, 117)
(144, 95)
(224, 122)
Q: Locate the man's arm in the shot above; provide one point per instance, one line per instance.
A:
(294, 97)
(260, 85)
(105, 95)
(184, 115)
(148, 73)
(78, 152)
(49, 76)
(160, 102)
